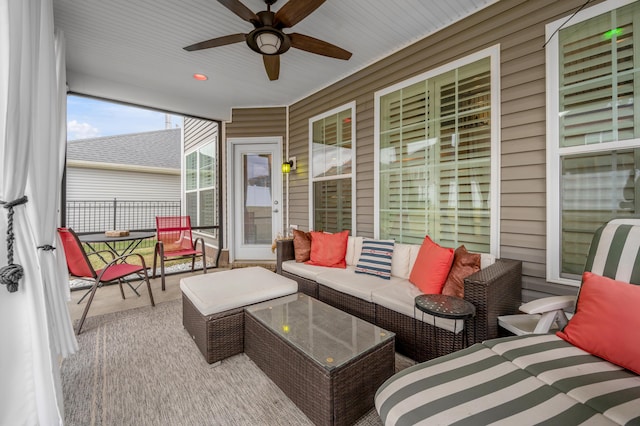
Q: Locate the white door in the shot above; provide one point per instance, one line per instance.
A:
(256, 198)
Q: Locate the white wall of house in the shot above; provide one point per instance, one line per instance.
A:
(132, 183)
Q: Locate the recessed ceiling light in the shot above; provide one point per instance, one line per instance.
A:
(200, 77)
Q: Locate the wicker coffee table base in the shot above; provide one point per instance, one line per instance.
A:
(337, 397)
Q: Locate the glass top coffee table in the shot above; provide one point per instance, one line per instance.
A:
(328, 362)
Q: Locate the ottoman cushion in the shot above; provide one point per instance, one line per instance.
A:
(221, 291)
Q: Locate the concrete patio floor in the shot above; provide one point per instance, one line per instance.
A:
(108, 298)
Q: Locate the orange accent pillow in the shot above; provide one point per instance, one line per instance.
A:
(606, 321)
(301, 245)
(432, 267)
(328, 249)
(464, 264)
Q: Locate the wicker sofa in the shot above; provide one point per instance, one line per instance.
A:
(494, 290)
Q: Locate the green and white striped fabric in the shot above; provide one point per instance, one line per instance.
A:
(615, 251)
(520, 380)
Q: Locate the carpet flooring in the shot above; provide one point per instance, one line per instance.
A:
(140, 367)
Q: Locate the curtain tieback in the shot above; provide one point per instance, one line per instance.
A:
(11, 274)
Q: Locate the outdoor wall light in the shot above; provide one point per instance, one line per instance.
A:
(289, 166)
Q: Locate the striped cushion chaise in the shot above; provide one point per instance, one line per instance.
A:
(530, 379)
(615, 251)
(512, 381)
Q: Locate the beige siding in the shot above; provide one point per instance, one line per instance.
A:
(197, 131)
(96, 184)
(257, 122)
(519, 28)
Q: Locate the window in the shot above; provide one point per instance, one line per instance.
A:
(200, 172)
(332, 188)
(437, 154)
(593, 145)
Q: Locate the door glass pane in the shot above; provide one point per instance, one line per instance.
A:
(257, 197)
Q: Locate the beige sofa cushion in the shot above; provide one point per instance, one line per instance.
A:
(357, 285)
(354, 248)
(404, 256)
(400, 298)
(303, 270)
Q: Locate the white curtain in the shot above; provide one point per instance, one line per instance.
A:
(35, 328)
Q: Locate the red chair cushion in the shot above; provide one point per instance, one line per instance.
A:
(118, 271)
(185, 252)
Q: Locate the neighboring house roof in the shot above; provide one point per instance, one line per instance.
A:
(160, 148)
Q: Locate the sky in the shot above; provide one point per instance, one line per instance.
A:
(91, 118)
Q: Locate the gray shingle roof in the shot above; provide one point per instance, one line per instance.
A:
(160, 148)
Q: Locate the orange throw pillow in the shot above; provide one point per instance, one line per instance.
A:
(432, 267)
(606, 321)
(328, 249)
(464, 264)
(301, 245)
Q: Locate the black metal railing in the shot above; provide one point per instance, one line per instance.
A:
(89, 216)
(93, 216)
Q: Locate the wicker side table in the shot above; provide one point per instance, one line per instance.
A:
(442, 306)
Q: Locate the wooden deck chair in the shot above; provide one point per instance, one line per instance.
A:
(175, 241)
(114, 271)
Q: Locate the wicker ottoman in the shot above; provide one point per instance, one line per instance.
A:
(213, 306)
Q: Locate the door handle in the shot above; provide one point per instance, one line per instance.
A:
(275, 210)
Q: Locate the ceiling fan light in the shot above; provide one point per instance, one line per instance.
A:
(268, 42)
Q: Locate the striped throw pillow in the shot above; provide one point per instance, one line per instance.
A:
(375, 258)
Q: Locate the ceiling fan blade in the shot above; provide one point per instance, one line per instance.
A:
(215, 42)
(241, 10)
(295, 11)
(272, 66)
(319, 47)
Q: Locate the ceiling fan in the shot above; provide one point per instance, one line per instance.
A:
(267, 37)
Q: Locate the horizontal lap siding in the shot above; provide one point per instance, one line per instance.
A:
(197, 131)
(257, 122)
(97, 184)
(519, 28)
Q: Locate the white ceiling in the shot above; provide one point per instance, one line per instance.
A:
(131, 50)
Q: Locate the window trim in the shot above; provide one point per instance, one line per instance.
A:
(493, 53)
(196, 149)
(352, 106)
(554, 151)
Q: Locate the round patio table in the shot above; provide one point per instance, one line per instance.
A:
(450, 307)
(133, 239)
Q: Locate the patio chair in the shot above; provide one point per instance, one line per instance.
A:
(115, 270)
(613, 253)
(175, 241)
